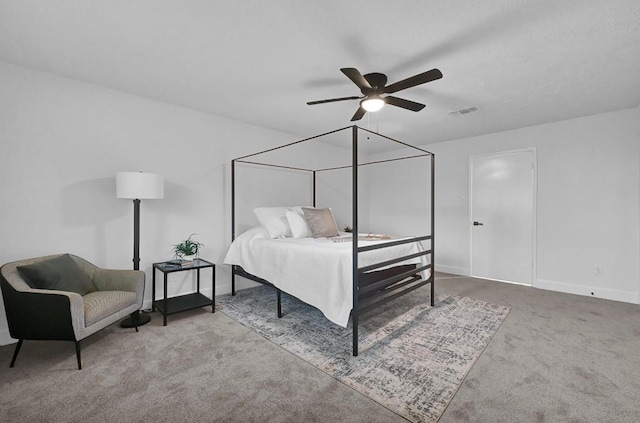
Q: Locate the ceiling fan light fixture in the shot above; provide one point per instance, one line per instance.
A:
(372, 103)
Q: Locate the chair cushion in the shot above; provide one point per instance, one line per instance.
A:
(61, 273)
(100, 304)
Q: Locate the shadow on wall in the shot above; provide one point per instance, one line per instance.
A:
(92, 203)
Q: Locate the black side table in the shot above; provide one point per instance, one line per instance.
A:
(186, 302)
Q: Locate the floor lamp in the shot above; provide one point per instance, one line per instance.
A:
(138, 186)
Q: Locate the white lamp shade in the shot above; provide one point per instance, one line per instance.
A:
(139, 185)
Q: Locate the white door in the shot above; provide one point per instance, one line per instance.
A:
(502, 216)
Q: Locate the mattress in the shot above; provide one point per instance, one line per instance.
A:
(317, 271)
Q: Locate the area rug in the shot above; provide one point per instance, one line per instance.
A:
(412, 357)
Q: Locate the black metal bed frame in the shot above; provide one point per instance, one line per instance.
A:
(371, 288)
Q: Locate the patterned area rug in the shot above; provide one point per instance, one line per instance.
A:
(412, 357)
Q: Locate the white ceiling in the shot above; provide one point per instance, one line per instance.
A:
(521, 62)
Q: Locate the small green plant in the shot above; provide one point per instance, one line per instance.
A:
(347, 228)
(188, 247)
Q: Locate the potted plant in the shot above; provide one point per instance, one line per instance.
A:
(187, 249)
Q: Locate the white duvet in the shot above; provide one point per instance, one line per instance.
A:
(316, 271)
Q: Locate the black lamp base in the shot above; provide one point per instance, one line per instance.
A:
(136, 319)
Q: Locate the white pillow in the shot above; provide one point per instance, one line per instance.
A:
(297, 223)
(274, 220)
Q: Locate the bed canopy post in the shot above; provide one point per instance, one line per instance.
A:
(433, 226)
(233, 220)
(354, 262)
(313, 182)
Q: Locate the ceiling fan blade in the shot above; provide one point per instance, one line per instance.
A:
(359, 113)
(357, 78)
(422, 78)
(405, 104)
(331, 100)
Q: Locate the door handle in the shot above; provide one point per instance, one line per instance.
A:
(476, 223)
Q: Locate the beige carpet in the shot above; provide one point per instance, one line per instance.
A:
(556, 358)
(202, 367)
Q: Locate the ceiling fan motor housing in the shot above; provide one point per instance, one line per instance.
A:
(377, 82)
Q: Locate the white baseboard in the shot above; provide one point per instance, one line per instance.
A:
(452, 269)
(146, 305)
(588, 291)
(5, 338)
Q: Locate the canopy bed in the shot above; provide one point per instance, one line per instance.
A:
(299, 251)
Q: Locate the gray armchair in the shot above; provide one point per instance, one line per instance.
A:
(58, 313)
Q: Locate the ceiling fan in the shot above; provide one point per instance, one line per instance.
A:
(373, 85)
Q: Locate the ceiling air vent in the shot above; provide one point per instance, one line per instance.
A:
(465, 111)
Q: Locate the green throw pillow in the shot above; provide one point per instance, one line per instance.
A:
(61, 274)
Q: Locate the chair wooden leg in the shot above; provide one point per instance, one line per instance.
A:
(15, 352)
(78, 355)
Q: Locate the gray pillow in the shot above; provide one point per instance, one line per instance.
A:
(60, 273)
(321, 222)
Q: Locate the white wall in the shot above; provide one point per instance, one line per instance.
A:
(62, 141)
(61, 144)
(588, 211)
(401, 196)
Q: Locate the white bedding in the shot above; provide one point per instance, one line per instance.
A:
(317, 271)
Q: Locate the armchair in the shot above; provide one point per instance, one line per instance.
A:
(34, 313)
